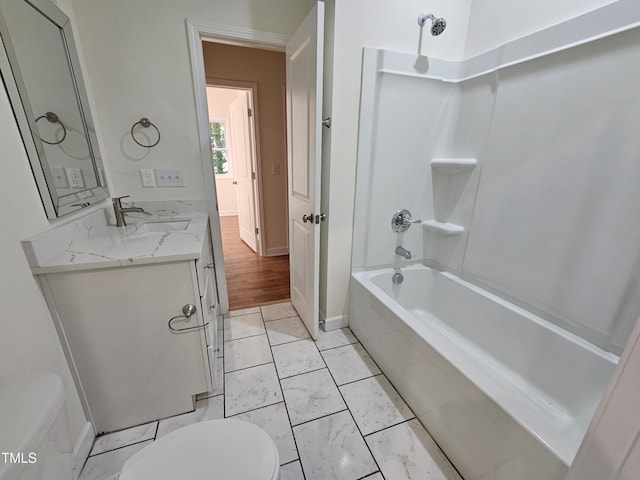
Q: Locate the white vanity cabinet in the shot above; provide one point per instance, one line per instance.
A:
(132, 368)
(112, 314)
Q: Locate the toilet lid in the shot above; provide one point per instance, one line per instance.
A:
(215, 449)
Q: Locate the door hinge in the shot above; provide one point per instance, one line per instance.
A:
(257, 230)
(249, 112)
(253, 175)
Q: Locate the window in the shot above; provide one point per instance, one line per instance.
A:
(219, 148)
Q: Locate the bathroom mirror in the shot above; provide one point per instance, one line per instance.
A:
(41, 72)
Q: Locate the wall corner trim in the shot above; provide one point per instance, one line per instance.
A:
(82, 448)
(333, 323)
(276, 251)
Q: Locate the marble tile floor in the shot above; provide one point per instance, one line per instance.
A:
(326, 404)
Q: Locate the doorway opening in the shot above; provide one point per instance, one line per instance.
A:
(245, 100)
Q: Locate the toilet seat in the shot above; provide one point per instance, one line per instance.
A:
(215, 449)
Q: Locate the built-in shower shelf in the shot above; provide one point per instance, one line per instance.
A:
(443, 228)
(453, 165)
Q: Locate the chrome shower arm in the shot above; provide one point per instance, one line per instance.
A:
(423, 17)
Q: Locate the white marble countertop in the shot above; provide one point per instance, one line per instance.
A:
(93, 241)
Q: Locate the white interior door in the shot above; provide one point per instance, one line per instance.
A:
(304, 107)
(242, 158)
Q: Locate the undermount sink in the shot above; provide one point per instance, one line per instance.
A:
(163, 226)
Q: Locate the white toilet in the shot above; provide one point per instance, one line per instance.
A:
(216, 449)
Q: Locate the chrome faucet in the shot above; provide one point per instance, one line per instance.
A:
(403, 252)
(119, 210)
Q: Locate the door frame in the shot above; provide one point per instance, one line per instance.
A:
(254, 128)
(197, 32)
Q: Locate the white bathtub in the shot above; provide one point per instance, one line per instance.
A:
(506, 394)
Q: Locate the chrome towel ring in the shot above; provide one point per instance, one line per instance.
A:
(146, 123)
(188, 310)
(53, 118)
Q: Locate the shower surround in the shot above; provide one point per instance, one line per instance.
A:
(522, 162)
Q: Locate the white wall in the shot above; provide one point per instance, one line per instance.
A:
(138, 65)
(495, 22)
(218, 101)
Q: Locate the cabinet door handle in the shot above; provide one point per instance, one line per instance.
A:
(210, 265)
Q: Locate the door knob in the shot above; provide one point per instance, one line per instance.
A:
(308, 218)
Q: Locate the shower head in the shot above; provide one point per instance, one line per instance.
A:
(437, 24)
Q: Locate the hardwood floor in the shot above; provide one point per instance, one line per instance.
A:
(252, 280)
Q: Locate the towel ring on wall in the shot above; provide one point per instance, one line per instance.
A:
(53, 118)
(146, 123)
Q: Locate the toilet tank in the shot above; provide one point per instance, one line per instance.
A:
(34, 433)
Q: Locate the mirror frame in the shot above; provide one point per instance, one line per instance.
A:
(54, 205)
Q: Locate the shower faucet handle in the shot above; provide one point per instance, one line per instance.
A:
(402, 220)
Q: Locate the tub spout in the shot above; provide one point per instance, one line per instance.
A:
(403, 252)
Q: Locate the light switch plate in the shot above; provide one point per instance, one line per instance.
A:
(148, 178)
(59, 177)
(169, 177)
(74, 177)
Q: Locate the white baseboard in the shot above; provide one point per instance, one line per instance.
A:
(82, 448)
(333, 323)
(274, 252)
(228, 213)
